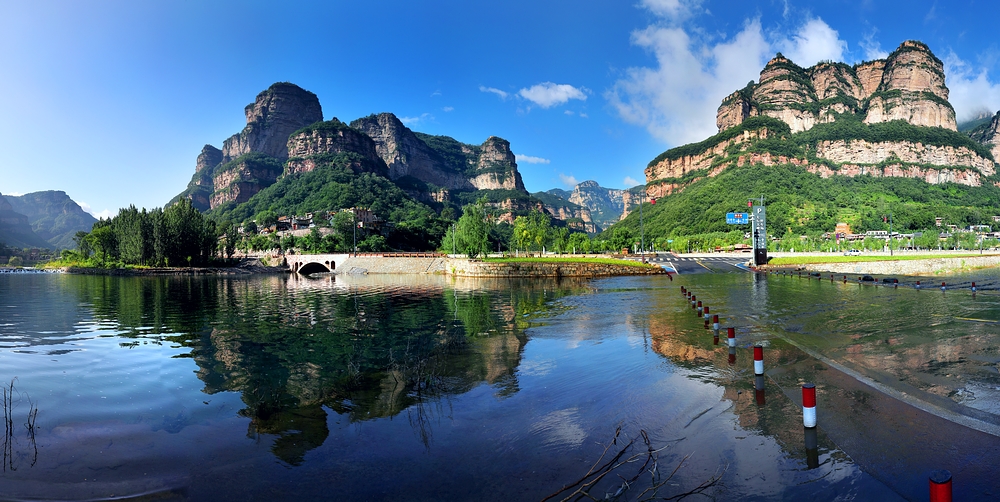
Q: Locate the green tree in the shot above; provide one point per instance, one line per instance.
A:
(15, 261)
(82, 244)
(472, 230)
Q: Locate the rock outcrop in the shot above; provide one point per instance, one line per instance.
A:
(239, 179)
(604, 206)
(988, 135)
(439, 160)
(311, 143)
(908, 85)
(887, 117)
(276, 113)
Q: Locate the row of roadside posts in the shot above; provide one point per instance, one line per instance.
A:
(939, 481)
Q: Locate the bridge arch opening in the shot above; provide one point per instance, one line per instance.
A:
(314, 268)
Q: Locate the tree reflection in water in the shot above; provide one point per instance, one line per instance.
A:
(365, 349)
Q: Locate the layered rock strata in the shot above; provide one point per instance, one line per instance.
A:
(908, 85)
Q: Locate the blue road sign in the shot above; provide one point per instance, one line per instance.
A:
(737, 218)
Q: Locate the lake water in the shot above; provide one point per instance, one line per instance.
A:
(432, 388)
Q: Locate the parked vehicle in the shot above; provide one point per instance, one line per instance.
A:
(852, 252)
(890, 280)
(866, 278)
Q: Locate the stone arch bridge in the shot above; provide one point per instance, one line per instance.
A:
(315, 263)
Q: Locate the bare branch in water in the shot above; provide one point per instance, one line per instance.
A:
(630, 466)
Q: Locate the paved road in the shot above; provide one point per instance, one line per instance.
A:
(699, 264)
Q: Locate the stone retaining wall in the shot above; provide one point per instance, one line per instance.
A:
(387, 265)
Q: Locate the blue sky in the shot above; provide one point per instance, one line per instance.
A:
(111, 101)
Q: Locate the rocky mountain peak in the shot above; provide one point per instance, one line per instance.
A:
(908, 85)
(277, 112)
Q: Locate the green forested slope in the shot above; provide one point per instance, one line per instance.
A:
(803, 203)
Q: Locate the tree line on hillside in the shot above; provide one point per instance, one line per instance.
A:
(176, 236)
(800, 203)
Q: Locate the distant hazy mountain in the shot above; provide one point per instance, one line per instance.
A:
(15, 230)
(53, 217)
(606, 205)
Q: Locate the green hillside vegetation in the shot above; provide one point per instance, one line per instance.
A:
(801, 203)
(553, 200)
(333, 186)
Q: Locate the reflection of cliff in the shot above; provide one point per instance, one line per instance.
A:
(295, 349)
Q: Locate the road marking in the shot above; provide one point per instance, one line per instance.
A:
(702, 265)
(673, 267)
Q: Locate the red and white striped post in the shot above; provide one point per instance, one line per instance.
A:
(731, 335)
(694, 300)
(758, 360)
(940, 485)
(683, 290)
(699, 308)
(918, 285)
(809, 405)
(845, 279)
(706, 313)
(715, 322)
(732, 355)
(973, 287)
(943, 286)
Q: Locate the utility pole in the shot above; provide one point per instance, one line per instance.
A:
(354, 219)
(890, 233)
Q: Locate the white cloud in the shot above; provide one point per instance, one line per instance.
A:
(548, 94)
(815, 41)
(972, 92)
(584, 115)
(672, 10)
(494, 90)
(676, 98)
(676, 101)
(105, 214)
(448, 108)
(630, 182)
(569, 181)
(530, 160)
(873, 49)
(423, 117)
(568, 112)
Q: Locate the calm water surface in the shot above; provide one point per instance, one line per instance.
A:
(426, 388)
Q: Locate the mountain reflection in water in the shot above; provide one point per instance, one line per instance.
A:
(364, 347)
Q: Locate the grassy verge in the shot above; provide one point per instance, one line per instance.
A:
(553, 259)
(806, 260)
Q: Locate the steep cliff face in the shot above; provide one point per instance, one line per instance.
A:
(439, 160)
(53, 216)
(308, 146)
(677, 167)
(558, 206)
(908, 85)
(496, 167)
(912, 89)
(606, 205)
(276, 113)
(988, 135)
(239, 179)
